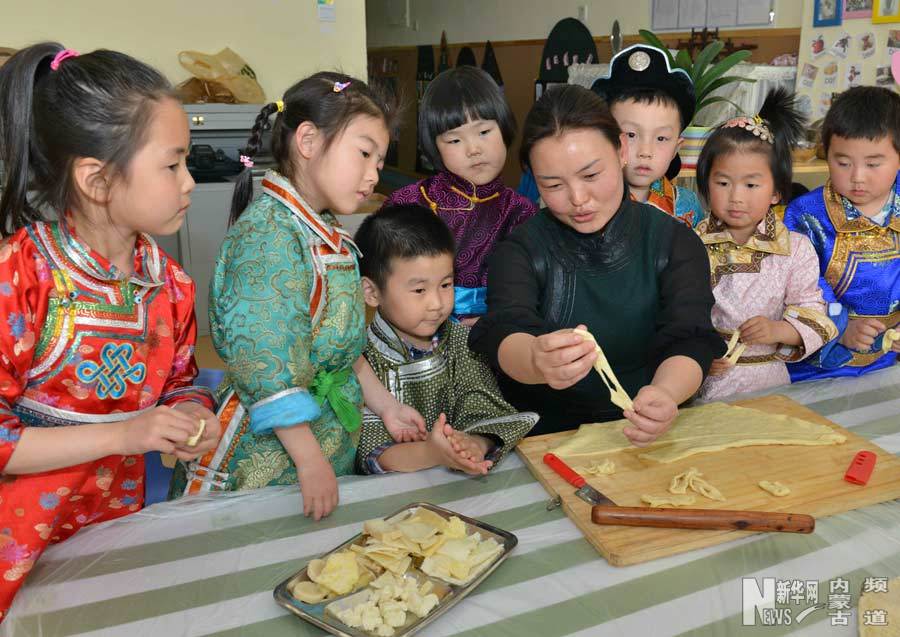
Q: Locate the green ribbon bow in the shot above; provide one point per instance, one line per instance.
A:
(327, 386)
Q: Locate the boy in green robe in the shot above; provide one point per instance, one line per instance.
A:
(423, 358)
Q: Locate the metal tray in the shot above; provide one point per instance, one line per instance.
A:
(449, 594)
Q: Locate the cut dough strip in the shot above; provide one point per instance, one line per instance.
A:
(887, 341)
(617, 393)
(193, 440)
(735, 349)
(775, 488)
(692, 479)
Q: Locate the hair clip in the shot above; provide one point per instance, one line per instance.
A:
(58, 59)
(340, 86)
(755, 125)
(248, 163)
(279, 104)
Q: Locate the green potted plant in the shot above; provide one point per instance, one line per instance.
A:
(708, 76)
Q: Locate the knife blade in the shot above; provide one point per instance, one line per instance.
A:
(605, 511)
(584, 491)
(616, 38)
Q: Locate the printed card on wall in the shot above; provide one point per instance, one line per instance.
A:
(804, 105)
(853, 76)
(865, 42)
(808, 75)
(830, 74)
(841, 46)
(824, 104)
(817, 48)
(893, 43)
(883, 76)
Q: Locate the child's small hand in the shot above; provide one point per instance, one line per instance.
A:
(404, 423)
(471, 447)
(860, 334)
(318, 486)
(654, 412)
(720, 366)
(447, 456)
(211, 429)
(161, 429)
(759, 331)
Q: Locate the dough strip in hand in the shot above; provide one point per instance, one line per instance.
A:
(193, 440)
(617, 394)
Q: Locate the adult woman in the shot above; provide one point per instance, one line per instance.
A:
(635, 278)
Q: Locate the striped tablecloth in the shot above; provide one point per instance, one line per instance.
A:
(208, 566)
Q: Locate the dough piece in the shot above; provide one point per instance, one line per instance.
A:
(682, 481)
(707, 428)
(597, 468)
(735, 349)
(617, 393)
(707, 490)
(668, 500)
(193, 440)
(887, 341)
(775, 488)
(692, 479)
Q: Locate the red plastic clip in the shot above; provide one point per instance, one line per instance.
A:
(861, 468)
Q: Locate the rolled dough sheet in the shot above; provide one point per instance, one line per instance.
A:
(707, 428)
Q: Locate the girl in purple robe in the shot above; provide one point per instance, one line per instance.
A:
(465, 129)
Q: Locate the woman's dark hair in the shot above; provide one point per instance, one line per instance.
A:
(864, 112)
(453, 98)
(315, 100)
(781, 116)
(565, 108)
(400, 232)
(95, 105)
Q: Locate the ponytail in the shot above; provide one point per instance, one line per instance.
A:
(786, 122)
(18, 78)
(243, 187)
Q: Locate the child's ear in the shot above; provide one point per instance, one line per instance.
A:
(678, 144)
(776, 198)
(91, 180)
(307, 138)
(370, 292)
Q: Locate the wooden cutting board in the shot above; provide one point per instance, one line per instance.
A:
(815, 476)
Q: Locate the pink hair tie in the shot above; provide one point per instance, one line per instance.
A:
(248, 163)
(65, 54)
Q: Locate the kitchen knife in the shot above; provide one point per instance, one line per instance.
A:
(605, 511)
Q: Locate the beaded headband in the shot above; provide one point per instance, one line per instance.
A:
(755, 125)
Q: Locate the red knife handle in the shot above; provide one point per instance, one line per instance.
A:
(704, 519)
(860, 469)
(565, 471)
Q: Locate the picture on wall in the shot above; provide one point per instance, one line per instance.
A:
(885, 11)
(855, 9)
(827, 13)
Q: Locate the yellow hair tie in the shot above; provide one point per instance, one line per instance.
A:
(280, 106)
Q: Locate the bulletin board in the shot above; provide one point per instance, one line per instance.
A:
(670, 15)
(834, 58)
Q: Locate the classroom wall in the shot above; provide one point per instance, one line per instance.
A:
(480, 20)
(819, 94)
(282, 40)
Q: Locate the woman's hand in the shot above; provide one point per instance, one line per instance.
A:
(563, 358)
(654, 412)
